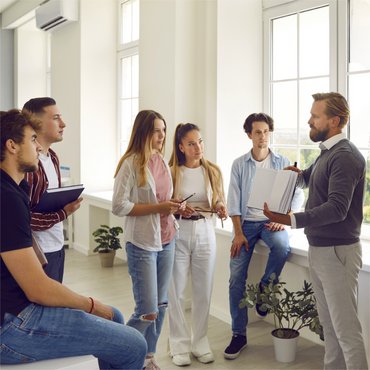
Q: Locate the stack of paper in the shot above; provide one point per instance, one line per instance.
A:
(275, 187)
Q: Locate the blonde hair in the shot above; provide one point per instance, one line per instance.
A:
(212, 171)
(336, 105)
(140, 145)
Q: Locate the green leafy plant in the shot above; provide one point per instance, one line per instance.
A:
(291, 310)
(107, 238)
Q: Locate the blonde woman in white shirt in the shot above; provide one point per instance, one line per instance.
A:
(195, 251)
(142, 195)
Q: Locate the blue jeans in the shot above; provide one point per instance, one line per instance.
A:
(42, 333)
(150, 274)
(278, 242)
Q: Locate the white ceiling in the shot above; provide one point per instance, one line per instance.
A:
(6, 3)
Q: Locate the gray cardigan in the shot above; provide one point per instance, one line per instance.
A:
(334, 208)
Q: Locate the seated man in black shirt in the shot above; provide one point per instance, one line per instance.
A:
(41, 318)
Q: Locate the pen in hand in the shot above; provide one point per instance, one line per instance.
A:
(184, 200)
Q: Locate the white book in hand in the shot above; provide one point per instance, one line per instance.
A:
(55, 199)
(274, 187)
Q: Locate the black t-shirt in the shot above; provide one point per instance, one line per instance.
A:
(15, 233)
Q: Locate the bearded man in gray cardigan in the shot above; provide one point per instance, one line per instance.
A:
(332, 223)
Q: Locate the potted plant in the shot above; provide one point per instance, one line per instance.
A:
(292, 311)
(108, 242)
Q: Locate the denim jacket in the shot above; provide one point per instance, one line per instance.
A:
(241, 178)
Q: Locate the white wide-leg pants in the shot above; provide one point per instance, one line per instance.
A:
(195, 254)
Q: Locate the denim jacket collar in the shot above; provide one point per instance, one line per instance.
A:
(275, 158)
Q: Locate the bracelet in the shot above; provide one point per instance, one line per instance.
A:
(92, 305)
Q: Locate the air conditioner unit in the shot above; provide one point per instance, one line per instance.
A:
(56, 13)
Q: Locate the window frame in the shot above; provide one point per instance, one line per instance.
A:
(124, 50)
(338, 57)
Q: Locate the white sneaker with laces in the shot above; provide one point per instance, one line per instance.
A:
(182, 359)
(206, 358)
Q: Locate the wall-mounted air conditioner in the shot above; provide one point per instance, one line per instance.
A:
(54, 14)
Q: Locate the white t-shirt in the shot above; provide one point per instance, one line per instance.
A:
(193, 181)
(50, 240)
(255, 214)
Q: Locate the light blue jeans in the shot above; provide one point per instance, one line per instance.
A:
(150, 273)
(278, 242)
(42, 333)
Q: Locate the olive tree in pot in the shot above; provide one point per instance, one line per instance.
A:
(292, 311)
(108, 242)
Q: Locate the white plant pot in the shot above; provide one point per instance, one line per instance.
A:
(285, 348)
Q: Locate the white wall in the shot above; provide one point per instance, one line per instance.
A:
(178, 63)
(98, 92)
(157, 60)
(239, 75)
(30, 63)
(66, 90)
(6, 68)
(84, 85)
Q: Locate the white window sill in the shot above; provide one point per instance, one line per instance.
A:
(299, 244)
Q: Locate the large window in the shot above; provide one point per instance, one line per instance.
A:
(306, 52)
(358, 77)
(128, 69)
(299, 60)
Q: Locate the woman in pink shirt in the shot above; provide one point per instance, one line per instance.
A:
(142, 195)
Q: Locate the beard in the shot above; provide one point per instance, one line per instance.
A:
(27, 167)
(316, 135)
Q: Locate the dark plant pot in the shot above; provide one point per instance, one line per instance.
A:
(285, 344)
(107, 258)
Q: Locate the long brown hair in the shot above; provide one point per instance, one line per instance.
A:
(140, 144)
(213, 172)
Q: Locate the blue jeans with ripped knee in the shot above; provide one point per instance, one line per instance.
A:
(150, 274)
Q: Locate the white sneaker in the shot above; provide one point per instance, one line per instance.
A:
(183, 359)
(206, 358)
(150, 364)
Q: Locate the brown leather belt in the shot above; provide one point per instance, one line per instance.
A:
(192, 218)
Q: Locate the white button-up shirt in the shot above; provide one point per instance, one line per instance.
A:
(142, 231)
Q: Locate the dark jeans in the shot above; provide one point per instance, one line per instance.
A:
(55, 267)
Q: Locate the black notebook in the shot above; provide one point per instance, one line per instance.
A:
(56, 198)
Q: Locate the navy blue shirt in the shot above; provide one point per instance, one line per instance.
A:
(15, 233)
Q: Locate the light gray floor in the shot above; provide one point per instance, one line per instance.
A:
(113, 286)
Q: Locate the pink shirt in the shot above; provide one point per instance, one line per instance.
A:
(162, 184)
